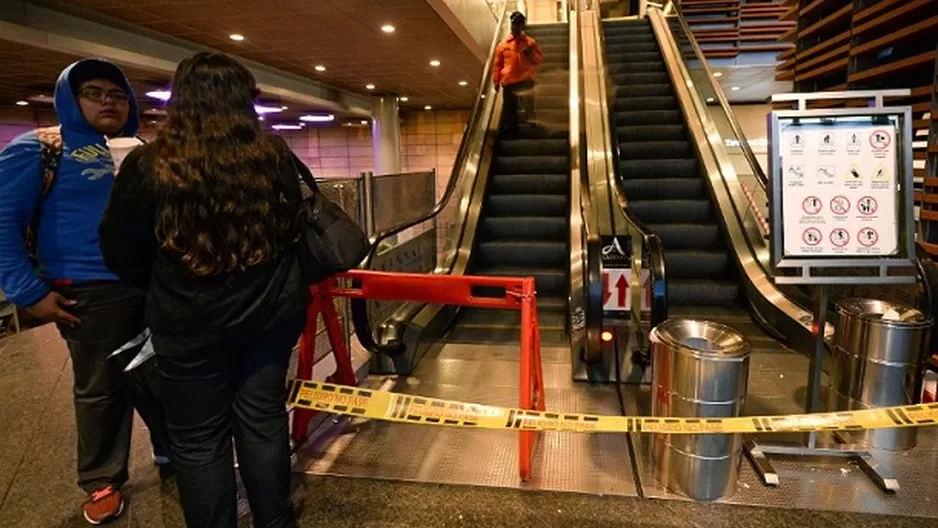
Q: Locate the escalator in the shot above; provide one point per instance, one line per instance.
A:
(523, 227)
(661, 175)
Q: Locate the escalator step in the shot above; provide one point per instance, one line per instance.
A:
(613, 48)
(644, 90)
(636, 67)
(530, 164)
(664, 189)
(550, 102)
(632, 79)
(552, 116)
(526, 205)
(687, 236)
(642, 56)
(650, 132)
(542, 89)
(510, 228)
(547, 282)
(529, 184)
(544, 131)
(537, 255)
(662, 211)
(696, 264)
(660, 168)
(649, 117)
(477, 325)
(644, 102)
(664, 150)
(625, 38)
(702, 292)
(534, 147)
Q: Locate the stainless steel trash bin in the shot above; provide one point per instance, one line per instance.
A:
(878, 358)
(699, 369)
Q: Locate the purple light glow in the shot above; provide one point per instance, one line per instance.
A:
(164, 95)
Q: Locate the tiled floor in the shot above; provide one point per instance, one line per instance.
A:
(37, 479)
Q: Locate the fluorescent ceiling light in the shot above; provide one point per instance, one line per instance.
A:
(164, 95)
(434, 63)
(404, 99)
(388, 28)
(319, 68)
(364, 121)
(463, 83)
(718, 74)
(320, 118)
(287, 127)
(22, 103)
(710, 99)
(734, 88)
(370, 86)
(428, 107)
(237, 37)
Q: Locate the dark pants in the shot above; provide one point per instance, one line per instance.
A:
(105, 396)
(236, 389)
(515, 98)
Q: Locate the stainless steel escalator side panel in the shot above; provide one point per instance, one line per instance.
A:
(770, 304)
(585, 302)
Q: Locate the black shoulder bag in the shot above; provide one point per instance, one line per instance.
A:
(329, 241)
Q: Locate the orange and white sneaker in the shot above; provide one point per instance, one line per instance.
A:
(104, 505)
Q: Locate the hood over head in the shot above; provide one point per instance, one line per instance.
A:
(66, 100)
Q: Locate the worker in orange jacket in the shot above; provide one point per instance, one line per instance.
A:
(516, 61)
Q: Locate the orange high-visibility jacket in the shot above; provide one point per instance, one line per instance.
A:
(511, 64)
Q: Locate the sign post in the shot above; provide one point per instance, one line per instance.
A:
(841, 202)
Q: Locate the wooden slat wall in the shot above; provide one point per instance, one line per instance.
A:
(726, 28)
(869, 45)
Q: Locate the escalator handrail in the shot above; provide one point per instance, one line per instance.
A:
(651, 241)
(360, 321)
(751, 159)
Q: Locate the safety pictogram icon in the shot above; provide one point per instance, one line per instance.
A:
(840, 205)
(853, 142)
(812, 205)
(825, 172)
(880, 139)
(867, 205)
(868, 237)
(827, 142)
(811, 236)
(840, 237)
(854, 174)
(796, 172)
(880, 173)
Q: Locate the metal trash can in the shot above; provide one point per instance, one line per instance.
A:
(699, 369)
(878, 360)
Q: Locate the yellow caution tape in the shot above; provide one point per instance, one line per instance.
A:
(405, 408)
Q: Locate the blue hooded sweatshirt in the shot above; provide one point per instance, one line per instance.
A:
(67, 244)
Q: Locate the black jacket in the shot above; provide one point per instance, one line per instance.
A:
(186, 312)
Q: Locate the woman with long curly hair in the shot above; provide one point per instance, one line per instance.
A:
(202, 220)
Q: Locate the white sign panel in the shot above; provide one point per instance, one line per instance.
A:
(839, 190)
(617, 296)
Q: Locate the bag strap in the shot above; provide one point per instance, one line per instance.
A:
(50, 141)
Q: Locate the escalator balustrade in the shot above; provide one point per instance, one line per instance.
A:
(523, 229)
(663, 182)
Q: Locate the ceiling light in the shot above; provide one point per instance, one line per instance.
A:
(287, 127)
(162, 95)
(22, 103)
(370, 86)
(718, 74)
(710, 99)
(320, 118)
(404, 99)
(261, 109)
(434, 63)
(364, 121)
(463, 83)
(319, 68)
(428, 107)
(237, 37)
(388, 28)
(41, 98)
(734, 88)
(261, 118)
(283, 107)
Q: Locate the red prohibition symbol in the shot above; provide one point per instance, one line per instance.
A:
(840, 237)
(811, 236)
(868, 237)
(812, 205)
(867, 205)
(840, 205)
(879, 139)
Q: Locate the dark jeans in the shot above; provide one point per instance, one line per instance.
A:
(236, 389)
(105, 396)
(515, 98)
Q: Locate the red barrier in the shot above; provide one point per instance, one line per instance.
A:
(454, 290)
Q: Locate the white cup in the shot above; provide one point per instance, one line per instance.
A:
(120, 148)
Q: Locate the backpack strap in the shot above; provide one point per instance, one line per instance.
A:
(50, 141)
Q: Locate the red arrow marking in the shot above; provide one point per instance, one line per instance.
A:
(623, 286)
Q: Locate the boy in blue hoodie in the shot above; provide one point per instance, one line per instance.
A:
(72, 287)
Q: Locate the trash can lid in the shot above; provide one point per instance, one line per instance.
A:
(701, 338)
(884, 312)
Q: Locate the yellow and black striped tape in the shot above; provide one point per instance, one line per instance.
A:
(405, 408)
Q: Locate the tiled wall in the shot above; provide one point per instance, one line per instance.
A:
(429, 140)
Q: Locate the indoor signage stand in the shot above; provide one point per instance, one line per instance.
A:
(841, 213)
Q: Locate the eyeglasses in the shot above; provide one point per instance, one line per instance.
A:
(100, 95)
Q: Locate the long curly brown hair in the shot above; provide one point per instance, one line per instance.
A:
(223, 210)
